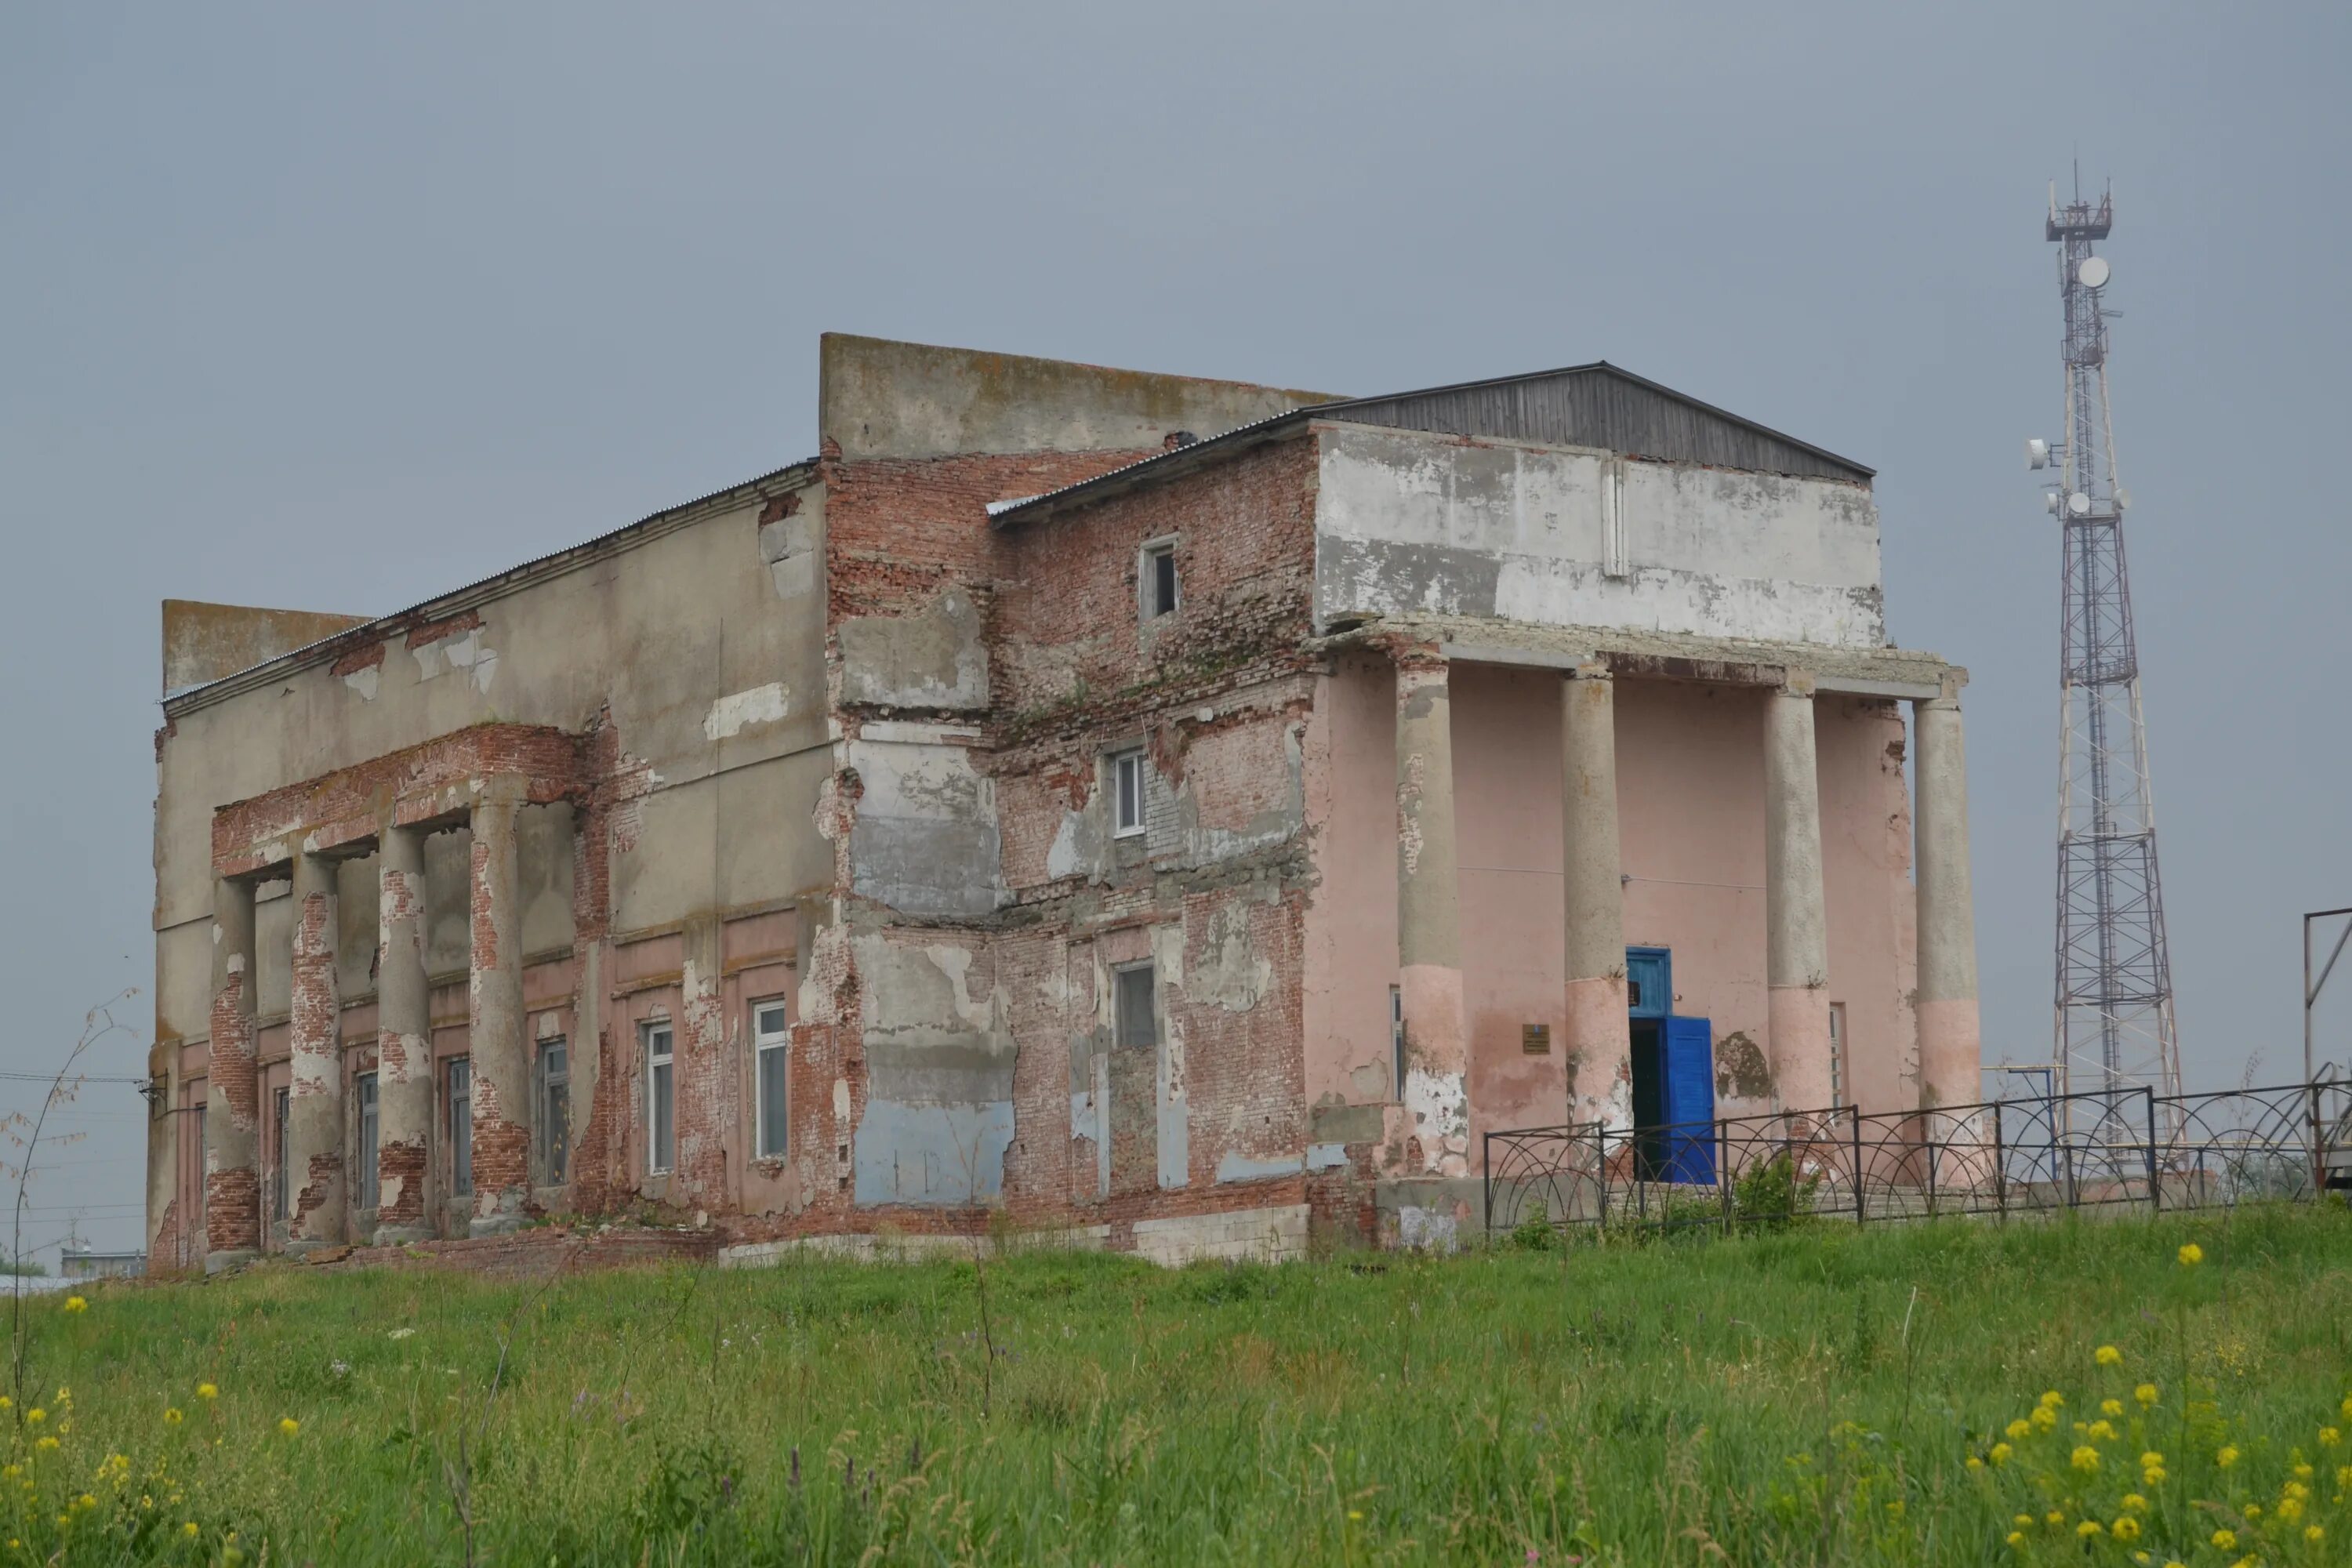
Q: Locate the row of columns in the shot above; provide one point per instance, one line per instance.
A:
(317, 1174)
(1597, 1043)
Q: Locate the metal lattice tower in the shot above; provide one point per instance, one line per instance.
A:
(2115, 1021)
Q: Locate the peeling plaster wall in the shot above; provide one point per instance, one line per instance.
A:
(1415, 522)
(939, 1064)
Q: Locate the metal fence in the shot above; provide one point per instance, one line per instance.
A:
(2123, 1148)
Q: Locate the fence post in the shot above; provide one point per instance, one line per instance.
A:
(1601, 1170)
(2000, 1169)
(2319, 1143)
(1934, 1145)
(1854, 1118)
(2155, 1180)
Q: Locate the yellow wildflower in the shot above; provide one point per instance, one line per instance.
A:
(2151, 1459)
(2107, 1355)
(2016, 1430)
(2024, 1519)
(2054, 1517)
(2089, 1528)
(206, 1390)
(289, 1425)
(2146, 1395)
(2254, 1510)
(2125, 1528)
(36, 1416)
(2301, 1472)
(2152, 1477)
(85, 1500)
(1974, 1463)
(2085, 1459)
(2329, 1437)
(2111, 1407)
(2053, 1400)
(1999, 1453)
(2224, 1538)
(2225, 1458)
(2313, 1534)
(2044, 1418)
(2016, 1538)
(2190, 1256)
(189, 1530)
(2135, 1503)
(76, 1304)
(172, 1416)
(46, 1444)
(2102, 1431)
(2289, 1508)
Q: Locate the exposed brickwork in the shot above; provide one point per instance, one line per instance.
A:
(232, 1210)
(416, 785)
(400, 1175)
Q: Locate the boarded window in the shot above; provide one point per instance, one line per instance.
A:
(1137, 1025)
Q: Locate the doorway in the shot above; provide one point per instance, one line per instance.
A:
(1674, 1075)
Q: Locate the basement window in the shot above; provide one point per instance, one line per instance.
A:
(1156, 579)
(1135, 1023)
(1128, 804)
(661, 1101)
(771, 1036)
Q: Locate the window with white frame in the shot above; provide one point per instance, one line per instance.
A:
(771, 1033)
(1155, 579)
(1129, 806)
(661, 1100)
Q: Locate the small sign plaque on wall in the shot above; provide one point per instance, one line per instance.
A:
(1535, 1039)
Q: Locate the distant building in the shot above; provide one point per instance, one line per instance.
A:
(85, 1264)
(1186, 811)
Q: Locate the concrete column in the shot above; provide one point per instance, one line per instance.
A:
(231, 1091)
(1429, 920)
(404, 1043)
(1950, 1044)
(1796, 927)
(501, 1052)
(1598, 1045)
(317, 1211)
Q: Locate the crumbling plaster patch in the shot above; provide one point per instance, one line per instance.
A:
(934, 659)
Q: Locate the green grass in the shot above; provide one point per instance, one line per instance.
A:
(1812, 1396)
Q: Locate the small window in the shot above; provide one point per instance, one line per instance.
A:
(661, 1101)
(1157, 579)
(458, 1081)
(364, 1090)
(1127, 778)
(277, 1120)
(554, 1073)
(1837, 1054)
(1396, 1040)
(771, 1035)
(1137, 1024)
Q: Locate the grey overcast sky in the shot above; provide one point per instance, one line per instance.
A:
(335, 307)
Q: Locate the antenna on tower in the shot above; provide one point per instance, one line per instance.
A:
(2115, 1028)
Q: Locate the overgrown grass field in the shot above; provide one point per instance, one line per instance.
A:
(1818, 1395)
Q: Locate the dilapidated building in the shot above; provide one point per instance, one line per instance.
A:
(1181, 814)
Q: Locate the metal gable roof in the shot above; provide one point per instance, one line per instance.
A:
(1597, 405)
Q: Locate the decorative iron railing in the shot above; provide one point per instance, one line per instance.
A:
(2000, 1158)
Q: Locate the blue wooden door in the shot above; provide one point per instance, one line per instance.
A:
(1688, 1057)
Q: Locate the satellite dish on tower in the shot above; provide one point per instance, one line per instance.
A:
(2094, 272)
(2037, 452)
(2079, 504)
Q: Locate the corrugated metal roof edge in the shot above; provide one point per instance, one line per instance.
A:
(1002, 513)
(457, 600)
